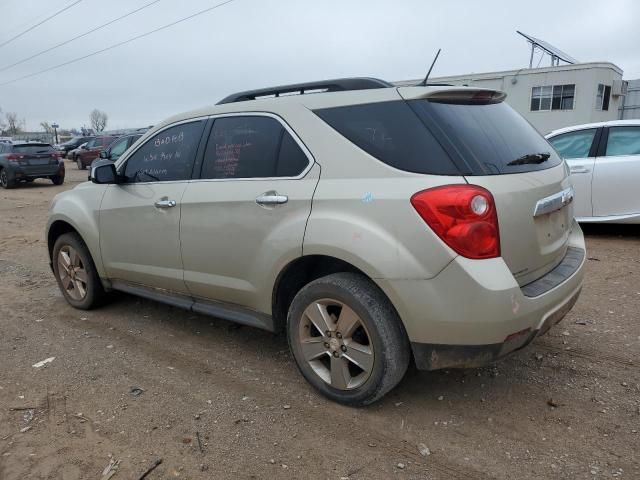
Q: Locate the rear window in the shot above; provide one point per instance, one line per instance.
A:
(444, 138)
(32, 149)
(490, 139)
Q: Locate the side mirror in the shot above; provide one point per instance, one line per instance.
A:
(84, 147)
(103, 172)
(104, 154)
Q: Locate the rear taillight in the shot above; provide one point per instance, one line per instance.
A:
(12, 157)
(463, 216)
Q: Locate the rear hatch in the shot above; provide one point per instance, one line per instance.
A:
(36, 154)
(496, 148)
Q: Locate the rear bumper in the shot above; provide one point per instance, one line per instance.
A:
(436, 356)
(36, 171)
(474, 312)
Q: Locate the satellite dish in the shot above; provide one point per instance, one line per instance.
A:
(555, 53)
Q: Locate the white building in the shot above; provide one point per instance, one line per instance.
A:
(554, 97)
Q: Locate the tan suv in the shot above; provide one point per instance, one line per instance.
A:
(374, 224)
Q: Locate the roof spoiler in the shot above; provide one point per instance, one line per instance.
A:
(454, 96)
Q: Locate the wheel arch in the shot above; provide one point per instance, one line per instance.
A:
(55, 230)
(59, 225)
(301, 271)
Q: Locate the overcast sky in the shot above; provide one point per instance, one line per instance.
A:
(255, 43)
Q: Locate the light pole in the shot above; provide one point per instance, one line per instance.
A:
(55, 130)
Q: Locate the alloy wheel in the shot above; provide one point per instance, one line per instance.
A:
(336, 344)
(3, 179)
(72, 272)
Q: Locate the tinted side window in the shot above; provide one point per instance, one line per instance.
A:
(623, 141)
(166, 156)
(574, 144)
(118, 148)
(251, 147)
(393, 133)
(291, 160)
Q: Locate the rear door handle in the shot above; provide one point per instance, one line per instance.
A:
(165, 203)
(579, 170)
(271, 198)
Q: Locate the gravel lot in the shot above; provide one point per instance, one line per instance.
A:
(222, 401)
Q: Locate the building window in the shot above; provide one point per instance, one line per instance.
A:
(556, 97)
(603, 96)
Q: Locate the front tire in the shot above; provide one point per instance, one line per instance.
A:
(76, 273)
(347, 339)
(80, 164)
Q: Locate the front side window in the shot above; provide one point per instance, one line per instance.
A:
(574, 144)
(555, 97)
(251, 147)
(623, 141)
(166, 156)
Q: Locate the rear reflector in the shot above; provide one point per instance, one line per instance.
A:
(463, 216)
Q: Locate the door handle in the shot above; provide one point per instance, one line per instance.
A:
(579, 170)
(165, 203)
(271, 198)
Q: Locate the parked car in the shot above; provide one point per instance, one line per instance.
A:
(119, 146)
(72, 144)
(604, 161)
(72, 154)
(441, 230)
(91, 150)
(26, 161)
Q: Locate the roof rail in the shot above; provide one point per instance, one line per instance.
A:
(336, 85)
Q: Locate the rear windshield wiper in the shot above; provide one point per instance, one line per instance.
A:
(530, 158)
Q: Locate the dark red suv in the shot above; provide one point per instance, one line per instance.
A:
(91, 150)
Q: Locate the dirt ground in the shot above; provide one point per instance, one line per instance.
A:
(215, 400)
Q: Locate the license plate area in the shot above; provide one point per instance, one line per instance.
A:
(39, 161)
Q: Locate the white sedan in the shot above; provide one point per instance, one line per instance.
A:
(604, 161)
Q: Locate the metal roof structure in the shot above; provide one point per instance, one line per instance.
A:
(555, 53)
(336, 85)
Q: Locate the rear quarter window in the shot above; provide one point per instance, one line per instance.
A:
(392, 133)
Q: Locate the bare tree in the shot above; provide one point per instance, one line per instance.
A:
(46, 127)
(2, 124)
(98, 120)
(14, 124)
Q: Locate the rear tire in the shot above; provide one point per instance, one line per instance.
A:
(76, 273)
(4, 180)
(80, 164)
(363, 351)
(57, 179)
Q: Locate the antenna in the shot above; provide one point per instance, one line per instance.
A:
(424, 82)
